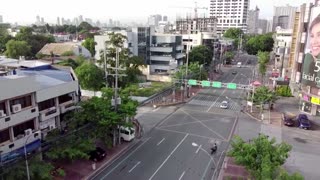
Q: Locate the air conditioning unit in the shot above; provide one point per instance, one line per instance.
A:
(51, 127)
(2, 114)
(28, 132)
(16, 108)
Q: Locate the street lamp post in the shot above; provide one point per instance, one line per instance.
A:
(211, 159)
(26, 157)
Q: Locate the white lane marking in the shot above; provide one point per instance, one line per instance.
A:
(182, 175)
(125, 158)
(168, 156)
(161, 141)
(220, 94)
(156, 109)
(198, 149)
(134, 166)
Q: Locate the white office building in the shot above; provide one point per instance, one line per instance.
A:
(230, 14)
(32, 102)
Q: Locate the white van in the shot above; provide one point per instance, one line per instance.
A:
(239, 64)
(126, 133)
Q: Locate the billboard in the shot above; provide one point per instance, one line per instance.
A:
(311, 64)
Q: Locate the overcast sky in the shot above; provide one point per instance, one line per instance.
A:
(25, 11)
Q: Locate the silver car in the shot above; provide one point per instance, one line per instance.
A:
(224, 105)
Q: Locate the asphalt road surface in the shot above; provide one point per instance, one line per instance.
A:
(179, 146)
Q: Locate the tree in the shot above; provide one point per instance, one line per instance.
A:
(263, 95)
(229, 56)
(4, 38)
(233, 33)
(90, 76)
(195, 71)
(263, 42)
(89, 44)
(85, 26)
(261, 156)
(38, 170)
(17, 48)
(73, 63)
(263, 59)
(201, 54)
(284, 175)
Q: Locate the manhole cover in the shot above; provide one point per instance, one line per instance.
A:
(300, 140)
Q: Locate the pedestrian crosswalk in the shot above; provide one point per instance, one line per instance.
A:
(213, 102)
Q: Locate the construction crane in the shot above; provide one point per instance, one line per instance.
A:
(195, 8)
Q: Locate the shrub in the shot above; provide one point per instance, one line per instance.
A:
(284, 91)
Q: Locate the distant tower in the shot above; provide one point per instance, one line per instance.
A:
(63, 21)
(165, 18)
(42, 21)
(80, 19)
(38, 20)
(1, 19)
(58, 21)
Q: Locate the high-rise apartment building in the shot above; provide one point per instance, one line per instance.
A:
(1, 19)
(262, 26)
(230, 14)
(283, 16)
(58, 21)
(253, 20)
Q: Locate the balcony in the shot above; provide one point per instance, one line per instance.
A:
(179, 48)
(300, 58)
(161, 58)
(180, 55)
(19, 117)
(49, 113)
(16, 147)
(303, 37)
(67, 106)
(161, 49)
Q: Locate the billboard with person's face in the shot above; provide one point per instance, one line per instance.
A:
(311, 63)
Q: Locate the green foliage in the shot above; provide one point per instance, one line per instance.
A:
(233, 33)
(264, 95)
(263, 42)
(155, 87)
(17, 48)
(40, 55)
(89, 44)
(4, 38)
(201, 54)
(263, 59)
(90, 76)
(229, 55)
(284, 91)
(195, 71)
(35, 41)
(38, 169)
(85, 26)
(284, 175)
(71, 147)
(68, 53)
(262, 157)
(61, 173)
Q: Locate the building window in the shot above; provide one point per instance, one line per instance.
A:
(4, 136)
(3, 107)
(25, 102)
(46, 104)
(19, 129)
(65, 98)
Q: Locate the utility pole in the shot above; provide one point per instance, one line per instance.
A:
(105, 63)
(187, 64)
(115, 101)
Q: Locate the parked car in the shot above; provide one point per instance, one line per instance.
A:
(288, 121)
(234, 72)
(97, 155)
(303, 121)
(224, 105)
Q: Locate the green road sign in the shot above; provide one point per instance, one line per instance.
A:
(216, 84)
(192, 82)
(232, 86)
(205, 83)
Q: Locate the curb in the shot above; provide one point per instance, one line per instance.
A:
(111, 160)
(252, 116)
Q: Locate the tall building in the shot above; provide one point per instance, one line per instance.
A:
(80, 19)
(58, 21)
(165, 18)
(38, 20)
(283, 16)
(153, 20)
(195, 25)
(42, 21)
(230, 14)
(253, 20)
(262, 26)
(1, 19)
(269, 25)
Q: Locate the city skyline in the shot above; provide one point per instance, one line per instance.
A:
(121, 10)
